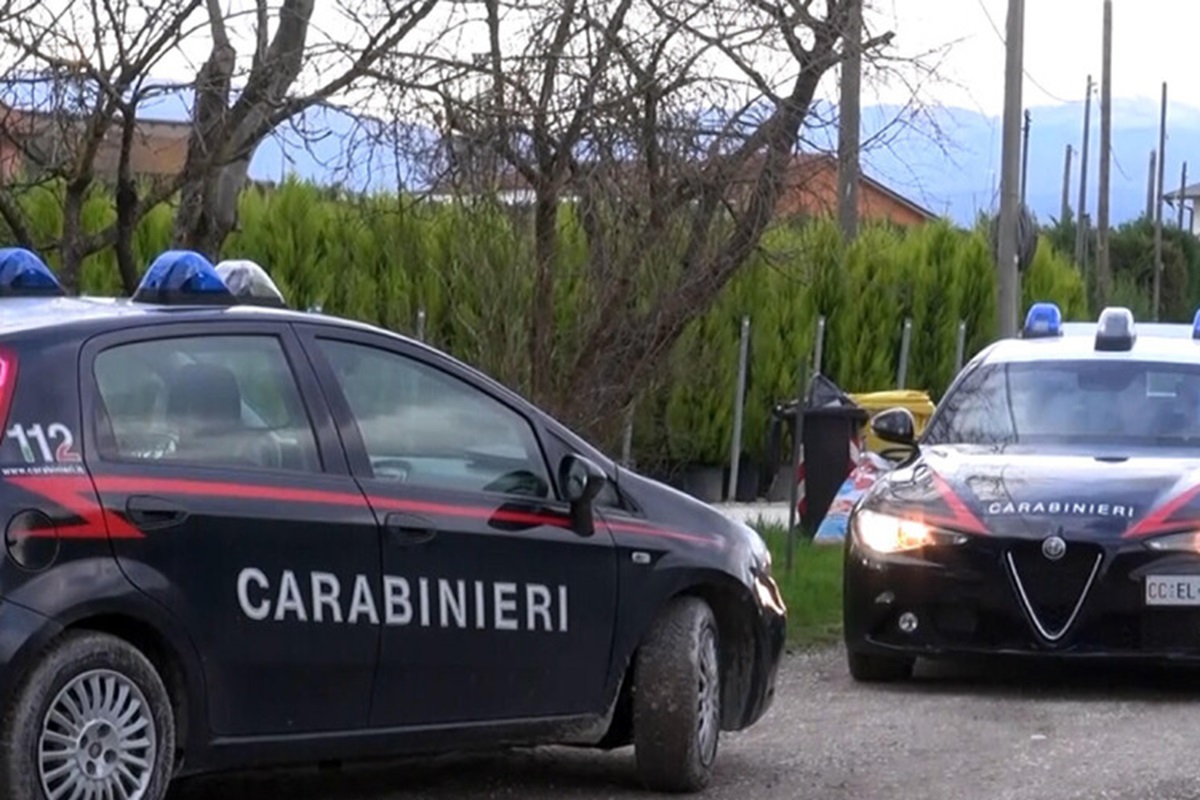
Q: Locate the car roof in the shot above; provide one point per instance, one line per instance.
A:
(24, 314)
(93, 315)
(1161, 342)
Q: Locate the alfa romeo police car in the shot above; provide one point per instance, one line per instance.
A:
(237, 534)
(1051, 507)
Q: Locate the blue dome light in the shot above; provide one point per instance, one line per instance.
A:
(23, 273)
(1043, 320)
(182, 277)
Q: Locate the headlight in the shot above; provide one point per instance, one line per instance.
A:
(1186, 542)
(885, 533)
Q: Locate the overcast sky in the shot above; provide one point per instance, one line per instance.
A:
(1153, 41)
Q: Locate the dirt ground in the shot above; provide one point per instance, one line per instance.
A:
(992, 731)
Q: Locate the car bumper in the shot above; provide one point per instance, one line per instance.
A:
(967, 602)
(770, 636)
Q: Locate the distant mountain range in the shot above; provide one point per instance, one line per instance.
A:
(948, 161)
(965, 178)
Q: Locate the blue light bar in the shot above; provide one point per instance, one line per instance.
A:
(1043, 320)
(1196, 325)
(182, 277)
(24, 274)
(1115, 330)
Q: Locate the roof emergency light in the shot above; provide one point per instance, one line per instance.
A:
(250, 283)
(1196, 325)
(1115, 330)
(24, 274)
(1043, 320)
(182, 277)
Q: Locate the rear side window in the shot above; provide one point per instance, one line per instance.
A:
(226, 401)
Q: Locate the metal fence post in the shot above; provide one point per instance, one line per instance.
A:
(960, 352)
(797, 438)
(819, 355)
(905, 343)
(739, 401)
(421, 323)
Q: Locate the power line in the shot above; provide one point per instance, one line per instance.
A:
(1026, 72)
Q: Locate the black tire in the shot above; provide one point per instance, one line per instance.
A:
(676, 722)
(879, 669)
(82, 661)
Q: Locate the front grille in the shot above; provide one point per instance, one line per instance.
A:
(1052, 592)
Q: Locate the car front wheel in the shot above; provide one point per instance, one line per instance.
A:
(91, 720)
(677, 699)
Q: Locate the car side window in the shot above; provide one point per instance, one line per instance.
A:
(205, 400)
(427, 428)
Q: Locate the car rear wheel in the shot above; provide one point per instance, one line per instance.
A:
(677, 699)
(91, 720)
(879, 669)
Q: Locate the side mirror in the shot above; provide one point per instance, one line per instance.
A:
(895, 425)
(581, 481)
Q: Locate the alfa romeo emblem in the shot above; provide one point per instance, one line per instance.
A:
(1054, 548)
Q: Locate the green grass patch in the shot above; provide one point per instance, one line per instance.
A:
(812, 589)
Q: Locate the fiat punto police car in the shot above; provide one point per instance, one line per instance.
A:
(1050, 509)
(240, 535)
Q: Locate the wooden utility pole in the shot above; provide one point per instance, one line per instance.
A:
(1158, 206)
(1081, 229)
(1025, 155)
(1066, 194)
(1150, 184)
(1103, 268)
(1010, 176)
(849, 123)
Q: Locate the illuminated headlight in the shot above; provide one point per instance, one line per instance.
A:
(1186, 542)
(885, 533)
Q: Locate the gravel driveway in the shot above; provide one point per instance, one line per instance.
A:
(992, 731)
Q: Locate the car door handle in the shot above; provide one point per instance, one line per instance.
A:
(409, 529)
(154, 512)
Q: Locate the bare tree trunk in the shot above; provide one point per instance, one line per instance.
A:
(14, 217)
(545, 226)
(209, 214)
(193, 227)
(127, 206)
(72, 236)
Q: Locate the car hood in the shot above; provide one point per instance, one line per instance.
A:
(1030, 494)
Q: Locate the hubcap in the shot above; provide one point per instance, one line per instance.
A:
(98, 740)
(709, 696)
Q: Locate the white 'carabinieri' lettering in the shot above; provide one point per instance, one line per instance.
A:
(255, 612)
(435, 603)
(363, 602)
(1071, 508)
(289, 598)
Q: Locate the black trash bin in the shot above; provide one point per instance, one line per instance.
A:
(831, 420)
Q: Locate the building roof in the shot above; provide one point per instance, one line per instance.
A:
(805, 163)
(160, 146)
(1188, 193)
(801, 171)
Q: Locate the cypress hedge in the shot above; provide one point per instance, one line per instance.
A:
(382, 259)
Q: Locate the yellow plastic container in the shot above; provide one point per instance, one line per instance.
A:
(915, 401)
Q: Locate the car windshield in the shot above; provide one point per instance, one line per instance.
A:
(1129, 403)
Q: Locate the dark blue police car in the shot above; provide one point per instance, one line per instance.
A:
(240, 535)
(1051, 507)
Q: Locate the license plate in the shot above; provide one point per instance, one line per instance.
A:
(1173, 590)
